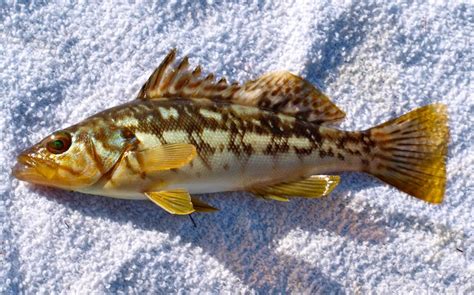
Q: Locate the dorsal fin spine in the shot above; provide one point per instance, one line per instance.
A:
(163, 67)
(167, 81)
(197, 71)
(209, 77)
(183, 65)
(182, 81)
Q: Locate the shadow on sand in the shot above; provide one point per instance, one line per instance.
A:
(242, 234)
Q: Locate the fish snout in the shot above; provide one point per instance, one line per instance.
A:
(20, 170)
(24, 167)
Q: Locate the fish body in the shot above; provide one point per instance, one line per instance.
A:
(238, 147)
(189, 135)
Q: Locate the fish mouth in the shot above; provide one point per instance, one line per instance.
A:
(24, 168)
(28, 169)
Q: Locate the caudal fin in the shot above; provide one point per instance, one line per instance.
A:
(410, 152)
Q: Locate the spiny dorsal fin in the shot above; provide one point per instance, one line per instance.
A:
(179, 81)
(280, 92)
(313, 187)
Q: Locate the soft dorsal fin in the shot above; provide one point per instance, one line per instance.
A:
(289, 94)
(280, 92)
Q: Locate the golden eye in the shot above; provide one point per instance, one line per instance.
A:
(59, 143)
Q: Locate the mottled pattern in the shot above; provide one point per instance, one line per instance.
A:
(238, 147)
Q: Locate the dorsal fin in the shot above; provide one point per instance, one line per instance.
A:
(289, 94)
(179, 81)
(280, 92)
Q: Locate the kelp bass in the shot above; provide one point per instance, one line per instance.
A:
(186, 134)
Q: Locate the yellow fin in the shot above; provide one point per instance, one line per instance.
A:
(165, 157)
(174, 201)
(201, 206)
(411, 152)
(280, 92)
(313, 187)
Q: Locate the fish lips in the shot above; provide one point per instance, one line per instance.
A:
(27, 169)
(22, 171)
(24, 168)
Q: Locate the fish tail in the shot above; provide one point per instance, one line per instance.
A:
(410, 152)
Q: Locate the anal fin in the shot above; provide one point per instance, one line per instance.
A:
(313, 187)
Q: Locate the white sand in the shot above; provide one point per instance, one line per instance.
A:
(60, 64)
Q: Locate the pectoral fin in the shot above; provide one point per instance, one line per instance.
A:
(313, 187)
(165, 157)
(174, 201)
(200, 206)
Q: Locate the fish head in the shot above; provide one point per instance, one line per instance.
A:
(74, 158)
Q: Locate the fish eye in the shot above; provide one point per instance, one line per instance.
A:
(59, 143)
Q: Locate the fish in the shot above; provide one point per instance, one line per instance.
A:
(187, 133)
